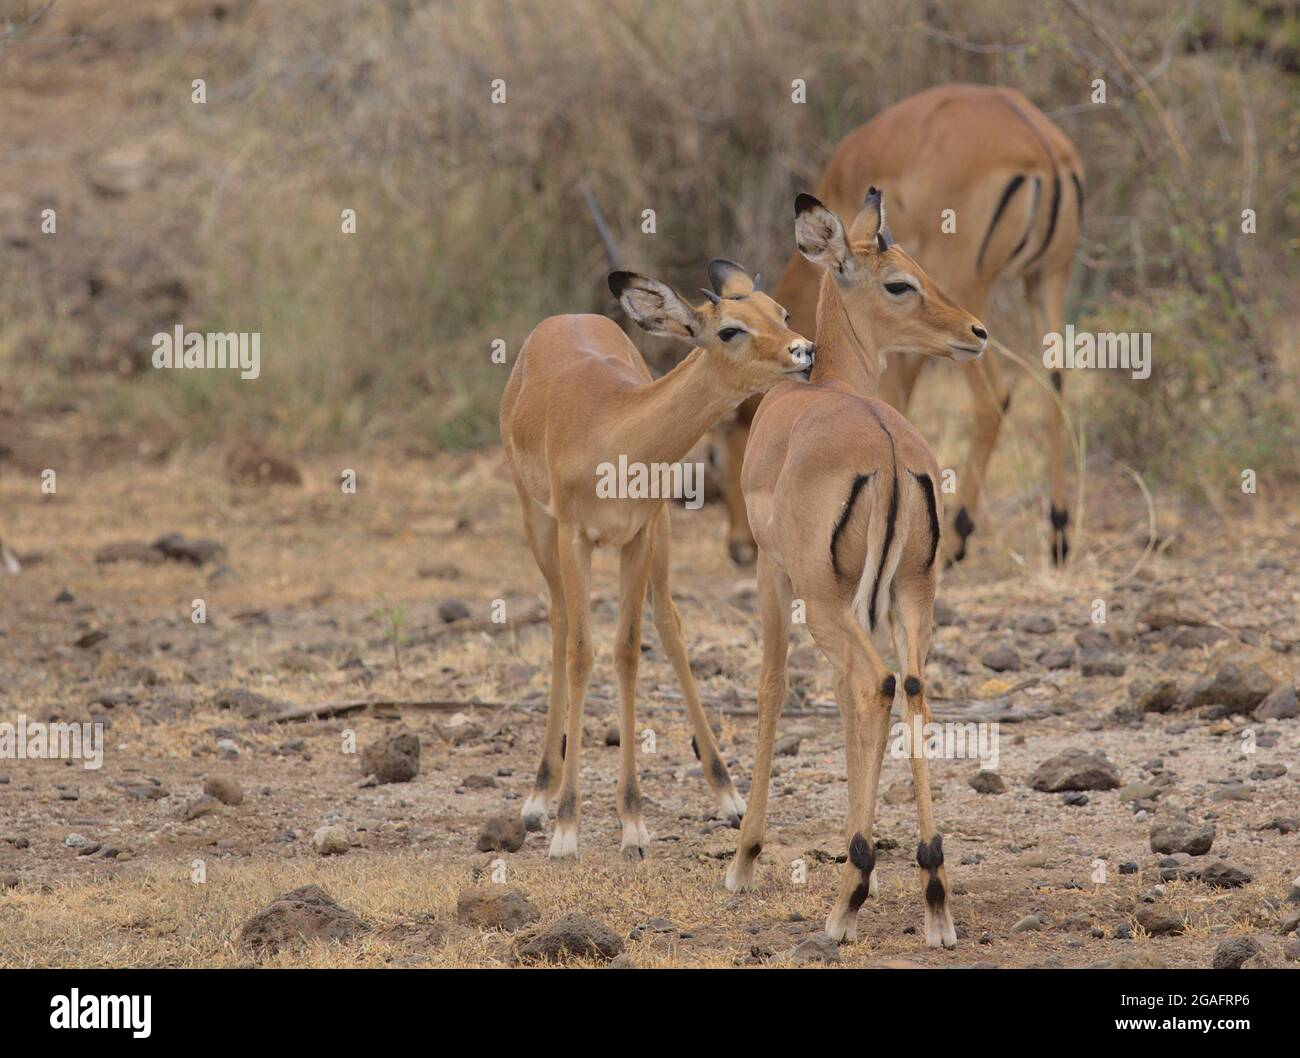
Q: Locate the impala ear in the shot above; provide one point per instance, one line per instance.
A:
(729, 279)
(655, 306)
(869, 225)
(820, 236)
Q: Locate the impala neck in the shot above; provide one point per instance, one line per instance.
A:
(845, 352)
(660, 421)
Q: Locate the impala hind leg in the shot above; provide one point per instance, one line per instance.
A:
(575, 575)
(634, 570)
(915, 608)
(669, 623)
(1046, 297)
(540, 529)
(774, 613)
(864, 692)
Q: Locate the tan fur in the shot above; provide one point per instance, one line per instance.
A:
(579, 395)
(955, 147)
(807, 448)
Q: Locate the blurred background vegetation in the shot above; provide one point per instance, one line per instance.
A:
(471, 224)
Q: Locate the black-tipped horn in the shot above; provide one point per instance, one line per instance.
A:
(710, 295)
(758, 278)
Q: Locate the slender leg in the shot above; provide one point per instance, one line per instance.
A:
(899, 381)
(634, 571)
(669, 623)
(864, 693)
(540, 530)
(774, 594)
(989, 400)
(1052, 293)
(730, 439)
(575, 574)
(916, 610)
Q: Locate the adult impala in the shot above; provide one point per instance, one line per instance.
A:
(842, 494)
(580, 396)
(1015, 185)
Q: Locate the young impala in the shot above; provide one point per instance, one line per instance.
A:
(982, 188)
(842, 497)
(579, 397)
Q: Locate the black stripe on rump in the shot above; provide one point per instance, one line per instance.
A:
(855, 488)
(1051, 217)
(1007, 192)
(889, 524)
(927, 486)
(1078, 192)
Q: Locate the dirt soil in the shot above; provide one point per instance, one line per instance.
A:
(314, 586)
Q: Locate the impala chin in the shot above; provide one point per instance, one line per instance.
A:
(962, 353)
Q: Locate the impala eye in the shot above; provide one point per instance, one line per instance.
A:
(899, 288)
(728, 333)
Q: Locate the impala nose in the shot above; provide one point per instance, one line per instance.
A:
(802, 354)
(979, 332)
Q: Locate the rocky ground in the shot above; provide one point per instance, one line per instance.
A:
(1142, 812)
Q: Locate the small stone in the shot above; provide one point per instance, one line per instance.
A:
(1268, 772)
(1280, 704)
(1074, 799)
(479, 782)
(224, 788)
(1128, 867)
(1233, 791)
(986, 781)
(622, 962)
(574, 934)
(1028, 924)
(1001, 658)
(1224, 876)
(1291, 950)
(450, 610)
(1233, 952)
(1102, 665)
(1159, 921)
(501, 833)
(227, 749)
(331, 840)
(788, 746)
(200, 806)
(1138, 791)
(815, 949)
(495, 908)
(394, 758)
(8, 881)
(612, 736)
(1238, 688)
(1075, 769)
(1057, 657)
(1037, 624)
(1176, 835)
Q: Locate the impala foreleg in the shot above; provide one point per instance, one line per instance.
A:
(774, 612)
(633, 574)
(669, 623)
(575, 573)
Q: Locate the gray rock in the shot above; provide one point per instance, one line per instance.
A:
(450, 610)
(200, 806)
(1280, 704)
(1233, 952)
(1061, 657)
(1154, 696)
(494, 908)
(1239, 689)
(479, 782)
(1268, 772)
(1075, 769)
(304, 914)
(788, 746)
(816, 949)
(1138, 791)
(1028, 924)
(501, 833)
(1233, 791)
(224, 788)
(331, 840)
(1037, 624)
(1176, 835)
(1159, 921)
(986, 781)
(1001, 658)
(573, 935)
(1096, 664)
(622, 962)
(395, 758)
(1224, 876)
(1291, 950)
